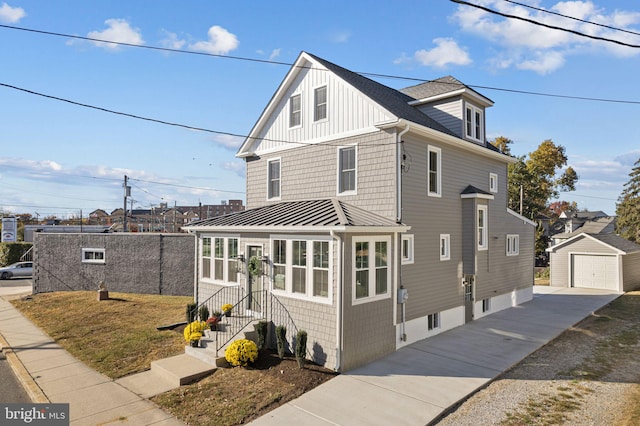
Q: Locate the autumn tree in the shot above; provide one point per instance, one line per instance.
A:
(628, 207)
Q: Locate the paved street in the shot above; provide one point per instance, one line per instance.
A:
(15, 286)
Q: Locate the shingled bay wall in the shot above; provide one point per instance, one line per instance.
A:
(133, 263)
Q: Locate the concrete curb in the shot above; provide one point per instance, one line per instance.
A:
(28, 383)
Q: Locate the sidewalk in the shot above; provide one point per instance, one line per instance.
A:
(51, 374)
(418, 383)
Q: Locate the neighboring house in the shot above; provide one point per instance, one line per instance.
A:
(376, 217)
(588, 222)
(604, 261)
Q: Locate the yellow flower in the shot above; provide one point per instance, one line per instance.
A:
(227, 307)
(194, 330)
(241, 352)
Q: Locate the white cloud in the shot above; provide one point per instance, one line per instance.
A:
(275, 53)
(228, 141)
(119, 31)
(238, 167)
(171, 41)
(543, 50)
(339, 36)
(220, 42)
(447, 52)
(11, 15)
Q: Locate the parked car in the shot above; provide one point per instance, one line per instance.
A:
(18, 269)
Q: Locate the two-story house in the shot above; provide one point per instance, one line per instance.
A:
(375, 217)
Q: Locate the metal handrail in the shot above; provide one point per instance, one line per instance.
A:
(236, 324)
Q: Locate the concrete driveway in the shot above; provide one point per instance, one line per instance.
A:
(15, 287)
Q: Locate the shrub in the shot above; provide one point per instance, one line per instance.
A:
(194, 330)
(11, 252)
(281, 337)
(301, 347)
(203, 312)
(191, 311)
(241, 352)
(261, 329)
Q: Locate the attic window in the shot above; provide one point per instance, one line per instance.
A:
(473, 123)
(295, 111)
(320, 103)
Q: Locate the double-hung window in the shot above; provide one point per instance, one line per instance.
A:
(347, 170)
(473, 123)
(273, 179)
(321, 268)
(320, 103)
(295, 110)
(279, 264)
(371, 275)
(482, 228)
(513, 244)
(434, 172)
(299, 267)
(218, 259)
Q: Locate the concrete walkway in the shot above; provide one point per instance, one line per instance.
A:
(51, 374)
(418, 383)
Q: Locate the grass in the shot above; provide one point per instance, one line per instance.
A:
(116, 337)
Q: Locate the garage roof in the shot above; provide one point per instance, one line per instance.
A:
(612, 240)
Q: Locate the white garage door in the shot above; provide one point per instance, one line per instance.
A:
(594, 271)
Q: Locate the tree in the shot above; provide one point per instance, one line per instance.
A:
(628, 207)
(502, 143)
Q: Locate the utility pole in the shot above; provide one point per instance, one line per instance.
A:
(127, 192)
(521, 195)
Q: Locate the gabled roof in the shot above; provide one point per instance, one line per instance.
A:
(447, 85)
(309, 215)
(614, 241)
(599, 225)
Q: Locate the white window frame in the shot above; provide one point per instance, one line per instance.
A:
(89, 255)
(292, 112)
(324, 105)
(444, 247)
(513, 244)
(438, 172)
(353, 191)
(270, 178)
(309, 267)
(407, 243)
(226, 260)
(372, 268)
(493, 182)
(474, 125)
(433, 321)
(486, 305)
(482, 229)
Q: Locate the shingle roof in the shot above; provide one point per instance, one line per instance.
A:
(618, 242)
(310, 213)
(433, 88)
(394, 101)
(473, 190)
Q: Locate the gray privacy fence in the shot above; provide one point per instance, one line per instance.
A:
(125, 262)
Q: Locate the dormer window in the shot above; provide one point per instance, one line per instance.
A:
(295, 110)
(320, 103)
(474, 123)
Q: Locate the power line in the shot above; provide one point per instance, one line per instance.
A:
(572, 17)
(553, 27)
(186, 186)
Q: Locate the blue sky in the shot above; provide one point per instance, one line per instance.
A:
(58, 158)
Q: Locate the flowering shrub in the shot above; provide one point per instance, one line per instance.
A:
(227, 307)
(194, 330)
(241, 352)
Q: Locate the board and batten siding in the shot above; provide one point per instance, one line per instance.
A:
(560, 260)
(361, 115)
(310, 172)
(446, 112)
(631, 271)
(435, 285)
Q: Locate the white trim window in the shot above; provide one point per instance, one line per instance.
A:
(218, 259)
(295, 110)
(320, 103)
(473, 123)
(433, 321)
(273, 179)
(445, 246)
(486, 305)
(93, 255)
(434, 171)
(407, 249)
(483, 232)
(371, 272)
(493, 182)
(347, 170)
(302, 268)
(513, 244)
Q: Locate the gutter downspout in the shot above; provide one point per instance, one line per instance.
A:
(339, 302)
(398, 237)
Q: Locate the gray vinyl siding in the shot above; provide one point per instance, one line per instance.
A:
(447, 112)
(435, 285)
(561, 263)
(369, 332)
(310, 172)
(631, 271)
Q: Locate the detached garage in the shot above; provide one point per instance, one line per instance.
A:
(602, 261)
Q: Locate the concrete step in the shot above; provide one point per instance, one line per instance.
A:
(182, 369)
